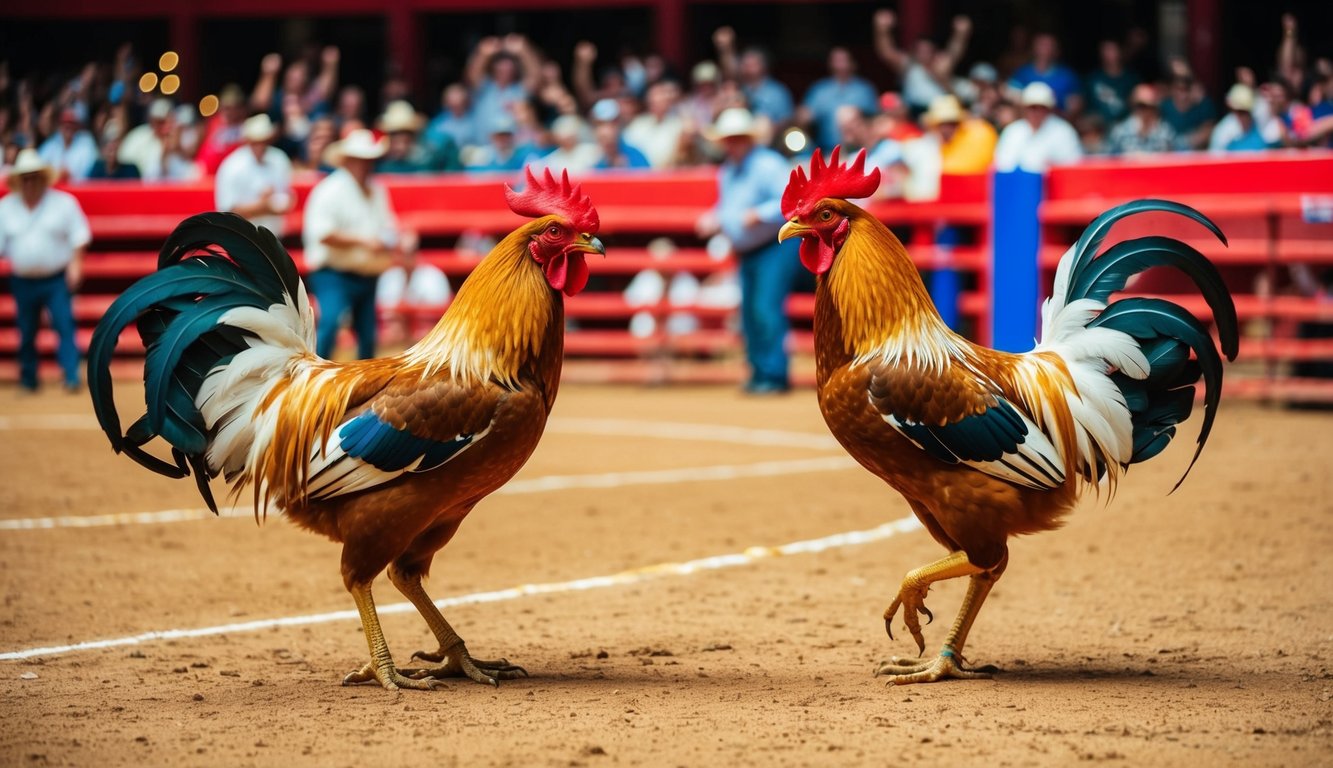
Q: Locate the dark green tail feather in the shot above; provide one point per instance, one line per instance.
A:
(1166, 333)
(1148, 319)
(210, 264)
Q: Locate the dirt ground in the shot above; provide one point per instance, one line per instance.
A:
(1186, 629)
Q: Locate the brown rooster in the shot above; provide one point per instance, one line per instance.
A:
(985, 444)
(386, 456)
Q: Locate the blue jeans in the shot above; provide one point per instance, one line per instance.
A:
(767, 276)
(31, 294)
(339, 293)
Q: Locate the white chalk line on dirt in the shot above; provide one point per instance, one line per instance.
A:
(544, 484)
(624, 578)
(548, 483)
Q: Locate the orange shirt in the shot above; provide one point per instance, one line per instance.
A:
(970, 150)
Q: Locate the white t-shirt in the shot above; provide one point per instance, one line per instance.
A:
(658, 140)
(1055, 142)
(39, 242)
(338, 204)
(242, 180)
(919, 88)
(142, 147)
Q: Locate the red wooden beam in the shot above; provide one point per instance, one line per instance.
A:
(1204, 22)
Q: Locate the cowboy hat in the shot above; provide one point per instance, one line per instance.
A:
(943, 109)
(258, 128)
(400, 116)
(1240, 98)
(29, 162)
(1038, 94)
(361, 144)
(734, 121)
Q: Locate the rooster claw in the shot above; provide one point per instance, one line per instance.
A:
(455, 662)
(912, 600)
(948, 665)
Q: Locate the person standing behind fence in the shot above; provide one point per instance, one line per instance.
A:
(43, 233)
(749, 213)
(1040, 139)
(842, 87)
(351, 236)
(255, 181)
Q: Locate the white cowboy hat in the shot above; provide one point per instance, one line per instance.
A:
(28, 162)
(360, 144)
(258, 128)
(943, 109)
(400, 116)
(1038, 94)
(735, 121)
(1240, 98)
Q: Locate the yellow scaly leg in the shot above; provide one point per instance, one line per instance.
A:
(949, 663)
(452, 651)
(380, 667)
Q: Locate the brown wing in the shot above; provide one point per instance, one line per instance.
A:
(957, 416)
(409, 425)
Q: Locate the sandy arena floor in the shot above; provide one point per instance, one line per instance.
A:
(1191, 629)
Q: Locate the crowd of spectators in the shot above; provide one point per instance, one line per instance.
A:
(940, 110)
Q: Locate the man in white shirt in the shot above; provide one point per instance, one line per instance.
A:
(143, 146)
(255, 181)
(658, 132)
(351, 236)
(1040, 139)
(42, 233)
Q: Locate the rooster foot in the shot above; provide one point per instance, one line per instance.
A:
(392, 679)
(458, 663)
(912, 599)
(948, 665)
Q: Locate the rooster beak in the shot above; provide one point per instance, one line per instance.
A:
(793, 228)
(590, 244)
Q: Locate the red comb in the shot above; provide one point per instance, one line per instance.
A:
(828, 180)
(545, 196)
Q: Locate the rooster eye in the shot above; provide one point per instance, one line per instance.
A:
(553, 231)
(826, 215)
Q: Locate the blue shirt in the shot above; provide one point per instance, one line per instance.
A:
(488, 159)
(490, 102)
(630, 157)
(1061, 79)
(824, 98)
(770, 99)
(1250, 141)
(461, 130)
(755, 183)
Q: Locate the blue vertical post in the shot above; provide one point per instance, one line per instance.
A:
(943, 281)
(1016, 238)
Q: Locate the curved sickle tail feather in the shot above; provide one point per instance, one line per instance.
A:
(195, 315)
(1160, 395)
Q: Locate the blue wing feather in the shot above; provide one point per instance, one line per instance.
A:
(369, 438)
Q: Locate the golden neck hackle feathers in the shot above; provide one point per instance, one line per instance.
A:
(880, 299)
(499, 318)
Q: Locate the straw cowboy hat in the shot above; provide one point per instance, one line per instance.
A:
(258, 128)
(734, 121)
(400, 116)
(29, 162)
(361, 144)
(943, 109)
